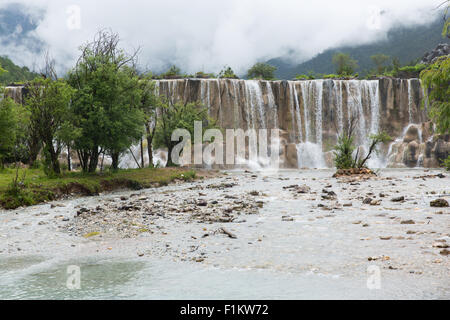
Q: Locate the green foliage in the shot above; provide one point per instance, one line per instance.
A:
(228, 73)
(25, 187)
(13, 73)
(344, 64)
(8, 127)
(380, 61)
(262, 71)
(179, 116)
(343, 152)
(48, 104)
(435, 81)
(446, 163)
(413, 68)
(106, 104)
(203, 75)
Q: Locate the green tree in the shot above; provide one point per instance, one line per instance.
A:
(435, 81)
(228, 73)
(149, 104)
(261, 71)
(48, 103)
(178, 116)
(345, 65)
(380, 62)
(8, 128)
(105, 105)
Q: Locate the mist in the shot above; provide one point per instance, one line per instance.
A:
(205, 35)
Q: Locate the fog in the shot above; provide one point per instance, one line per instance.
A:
(206, 35)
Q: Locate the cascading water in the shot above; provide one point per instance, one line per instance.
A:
(313, 106)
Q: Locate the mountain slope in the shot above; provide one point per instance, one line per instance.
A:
(15, 73)
(407, 44)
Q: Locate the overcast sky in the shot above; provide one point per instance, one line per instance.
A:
(208, 34)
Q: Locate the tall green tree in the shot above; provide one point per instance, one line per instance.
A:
(48, 103)
(380, 61)
(345, 65)
(106, 104)
(436, 83)
(262, 71)
(8, 128)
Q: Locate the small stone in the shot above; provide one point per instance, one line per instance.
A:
(444, 252)
(407, 222)
(385, 238)
(398, 199)
(367, 201)
(439, 203)
(287, 219)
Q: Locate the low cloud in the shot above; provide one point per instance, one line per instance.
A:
(207, 35)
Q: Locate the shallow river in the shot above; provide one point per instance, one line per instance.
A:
(297, 246)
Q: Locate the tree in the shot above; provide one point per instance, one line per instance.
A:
(105, 105)
(48, 103)
(380, 60)
(8, 128)
(345, 65)
(227, 73)
(178, 116)
(149, 104)
(262, 71)
(345, 147)
(435, 81)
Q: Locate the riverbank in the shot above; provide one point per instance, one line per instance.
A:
(292, 234)
(32, 186)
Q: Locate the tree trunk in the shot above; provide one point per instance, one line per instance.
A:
(93, 160)
(115, 160)
(69, 162)
(142, 154)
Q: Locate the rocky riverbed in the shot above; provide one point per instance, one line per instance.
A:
(297, 234)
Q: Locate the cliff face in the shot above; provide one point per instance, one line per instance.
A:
(311, 114)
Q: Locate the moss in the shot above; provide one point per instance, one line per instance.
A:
(92, 234)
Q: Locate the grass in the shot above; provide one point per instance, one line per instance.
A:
(38, 188)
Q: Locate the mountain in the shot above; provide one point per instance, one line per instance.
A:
(407, 44)
(15, 73)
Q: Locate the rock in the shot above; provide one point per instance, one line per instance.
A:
(441, 245)
(367, 201)
(412, 134)
(407, 222)
(254, 193)
(439, 203)
(444, 252)
(287, 219)
(348, 204)
(385, 237)
(375, 202)
(398, 199)
(202, 203)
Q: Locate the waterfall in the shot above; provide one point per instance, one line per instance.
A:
(305, 85)
(309, 152)
(256, 103)
(272, 105)
(410, 101)
(310, 114)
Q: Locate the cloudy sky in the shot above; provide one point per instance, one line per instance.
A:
(208, 34)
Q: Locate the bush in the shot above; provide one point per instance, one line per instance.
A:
(344, 152)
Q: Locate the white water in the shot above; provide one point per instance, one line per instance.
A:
(257, 100)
